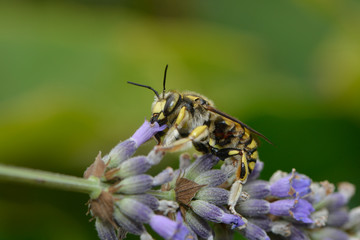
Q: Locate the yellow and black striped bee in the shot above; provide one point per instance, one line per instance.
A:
(192, 119)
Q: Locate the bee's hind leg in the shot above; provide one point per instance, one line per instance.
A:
(241, 176)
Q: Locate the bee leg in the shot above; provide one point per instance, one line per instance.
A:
(241, 175)
(235, 193)
(173, 132)
(197, 135)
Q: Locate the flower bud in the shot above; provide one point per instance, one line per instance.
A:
(354, 219)
(105, 231)
(211, 178)
(184, 160)
(137, 184)
(253, 232)
(135, 210)
(120, 153)
(198, 225)
(128, 224)
(147, 199)
(298, 234)
(338, 218)
(164, 177)
(217, 196)
(329, 233)
(155, 156)
(133, 166)
(253, 207)
(264, 222)
(202, 164)
(213, 213)
(257, 189)
(281, 228)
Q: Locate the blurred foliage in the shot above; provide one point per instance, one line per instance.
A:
(290, 69)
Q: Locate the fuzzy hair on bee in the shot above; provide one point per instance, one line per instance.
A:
(193, 120)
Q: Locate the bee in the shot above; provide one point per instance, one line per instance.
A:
(192, 119)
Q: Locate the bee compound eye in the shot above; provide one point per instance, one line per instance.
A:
(171, 103)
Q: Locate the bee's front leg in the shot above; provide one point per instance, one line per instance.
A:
(197, 135)
(173, 132)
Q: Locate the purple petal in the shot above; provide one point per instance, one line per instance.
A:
(169, 229)
(146, 131)
(299, 209)
(301, 183)
(234, 220)
(163, 226)
(291, 185)
(182, 231)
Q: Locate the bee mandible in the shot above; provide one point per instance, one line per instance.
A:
(192, 119)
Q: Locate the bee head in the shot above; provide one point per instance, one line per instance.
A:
(164, 105)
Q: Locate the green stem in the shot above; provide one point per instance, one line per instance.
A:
(48, 179)
(165, 195)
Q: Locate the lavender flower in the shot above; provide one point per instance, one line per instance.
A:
(290, 185)
(196, 190)
(281, 198)
(298, 209)
(194, 198)
(123, 205)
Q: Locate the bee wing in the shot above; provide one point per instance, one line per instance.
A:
(214, 110)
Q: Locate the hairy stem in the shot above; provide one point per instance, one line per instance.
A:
(48, 179)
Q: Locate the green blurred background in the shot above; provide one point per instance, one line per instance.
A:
(288, 68)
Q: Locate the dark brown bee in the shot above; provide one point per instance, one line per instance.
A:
(192, 119)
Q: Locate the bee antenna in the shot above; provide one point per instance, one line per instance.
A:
(164, 80)
(145, 86)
